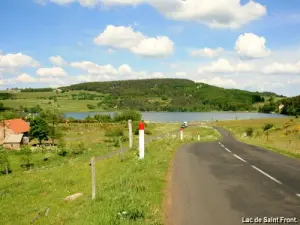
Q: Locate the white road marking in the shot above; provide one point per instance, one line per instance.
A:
(264, 173)
(239, 158)
(298, 195)
(227, 150)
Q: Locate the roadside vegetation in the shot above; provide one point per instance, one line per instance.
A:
(281, 134)
(128, 192)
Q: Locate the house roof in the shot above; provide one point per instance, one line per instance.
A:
(13, 138)
(17, 125)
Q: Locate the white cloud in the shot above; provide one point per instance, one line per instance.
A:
(52, 80)
(219, 66)
(97, 72)
(17, 60)
(215, 14)
(25, 78)
(252, 46)
(57, 61)
(157, 75)
(206, 52)
(244, 67)
(51, 72)
(282, 68)
(218, 81)
(154, 47)
(93, 68)
(180, 74)
(136, 42)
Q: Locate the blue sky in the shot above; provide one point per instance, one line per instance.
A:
(253, 45)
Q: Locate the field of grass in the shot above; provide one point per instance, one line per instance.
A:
(129, 192)
(277, 139)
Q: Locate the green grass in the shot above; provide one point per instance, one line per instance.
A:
(135, 187)
(277, 141)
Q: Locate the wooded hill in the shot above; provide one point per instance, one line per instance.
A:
(170, 95)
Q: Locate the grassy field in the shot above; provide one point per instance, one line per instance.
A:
(129, 192)
(277, 139)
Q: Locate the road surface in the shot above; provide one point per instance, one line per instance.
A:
(231, 183)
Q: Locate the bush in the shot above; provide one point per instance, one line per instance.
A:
(114, 132)
(103, 118)
(79, 150)
(128, 115)
(63, 152)
(249, 132)
(268, 126)
(90, 106)
(26, 158)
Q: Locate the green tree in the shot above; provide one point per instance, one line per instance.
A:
(4, 162)
(267, 127)
(39, 129)
(55, 134)
(26, 157)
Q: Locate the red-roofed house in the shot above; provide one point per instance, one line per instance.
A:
(12, 133)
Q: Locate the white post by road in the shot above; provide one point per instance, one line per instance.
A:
(130, 133)
(198, 137)
(141, 140)
(181, 133)
(93, 178)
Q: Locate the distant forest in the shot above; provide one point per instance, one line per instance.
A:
(171, 95)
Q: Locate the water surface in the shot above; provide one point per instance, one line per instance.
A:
(184, 116)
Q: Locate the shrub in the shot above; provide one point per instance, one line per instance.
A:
(63, 152)
(128, 115)
(114, 132)
(249, 132)
(79, 150)
(90, 106)
(26, 158)
(103, 118)
(267, 126)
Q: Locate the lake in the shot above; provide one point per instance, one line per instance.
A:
(184, 116)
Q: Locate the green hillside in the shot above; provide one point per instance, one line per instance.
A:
(170, 95)
(144, 95)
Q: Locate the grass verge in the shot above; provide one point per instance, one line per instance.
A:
(128, 193)
(281, 139)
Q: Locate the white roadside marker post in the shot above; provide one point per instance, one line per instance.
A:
(181, 134)
(141, 140)
(130, 133)
(198, 137)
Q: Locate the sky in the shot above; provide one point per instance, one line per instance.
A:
(252, 45)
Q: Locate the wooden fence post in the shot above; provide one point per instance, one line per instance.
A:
(130, 133)
(93, 178)
(121, 149)
(6, 168)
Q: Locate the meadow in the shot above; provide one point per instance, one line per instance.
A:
(127, 192)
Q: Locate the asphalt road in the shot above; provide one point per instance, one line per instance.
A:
(232, 183)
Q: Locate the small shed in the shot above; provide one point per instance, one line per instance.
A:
(13, 141)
